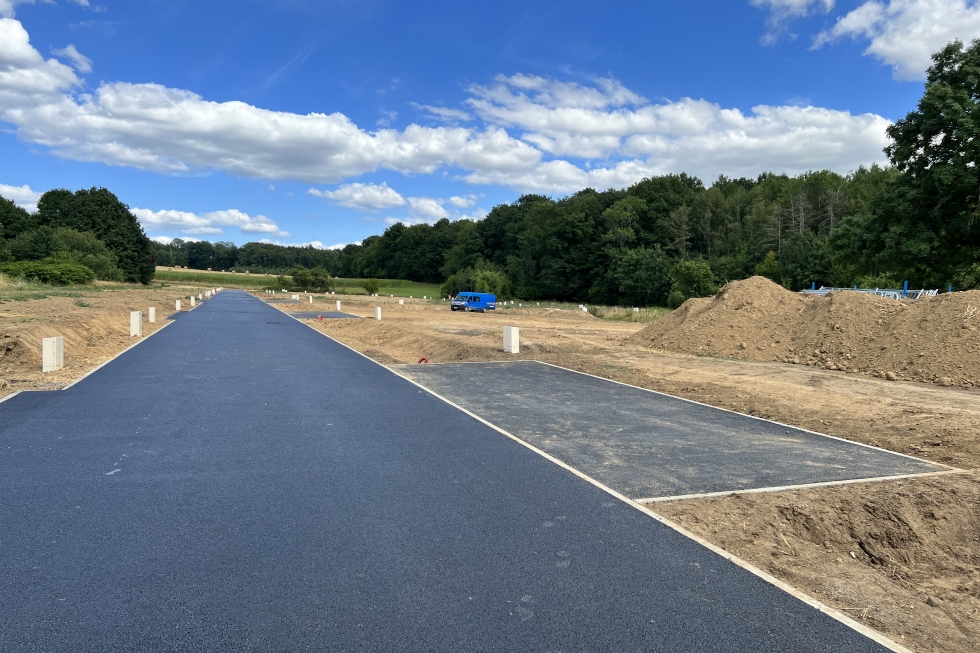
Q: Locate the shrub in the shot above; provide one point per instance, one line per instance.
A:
(371, 286)
(692, 279)
(770, 268)
(52, 271)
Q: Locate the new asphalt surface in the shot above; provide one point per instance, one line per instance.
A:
(646, 444)
(239, 482)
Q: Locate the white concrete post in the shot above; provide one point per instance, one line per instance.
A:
(338, 304)
(177, 305)
(192, 301)
(311, 299)
(636, 310)
(401, 302)
(52, 353)
(153, 314)
(377, 312)
(136, 324)
(199, 296)
(512, 340)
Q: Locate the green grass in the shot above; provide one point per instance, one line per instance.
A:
(416, 290)
(623, 314)
(396, 287)
(248, 281)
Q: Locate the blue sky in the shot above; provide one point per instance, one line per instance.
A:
(302, 121)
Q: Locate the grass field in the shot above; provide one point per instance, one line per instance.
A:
(396, 287)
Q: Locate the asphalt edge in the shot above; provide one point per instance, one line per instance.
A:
(106, 362)
(772, 580)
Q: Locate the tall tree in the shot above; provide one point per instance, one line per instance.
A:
(927, 223)
(99, 211)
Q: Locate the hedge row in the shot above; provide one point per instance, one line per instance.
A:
(59, 274)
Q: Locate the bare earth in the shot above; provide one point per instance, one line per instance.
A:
(95, 326)
(902, 557)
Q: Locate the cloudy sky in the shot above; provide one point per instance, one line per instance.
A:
(324, 121)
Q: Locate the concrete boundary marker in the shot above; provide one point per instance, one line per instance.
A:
(772, 580)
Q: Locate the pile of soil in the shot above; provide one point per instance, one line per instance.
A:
(931, 340)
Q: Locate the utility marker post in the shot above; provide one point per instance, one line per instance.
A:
(52, 354)
(512, 340)
(377, 312)
(177, 305)
(192, 301)
(136, 324)
(338, 304)
(153, 314)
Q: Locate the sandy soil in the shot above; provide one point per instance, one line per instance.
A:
(903, 557)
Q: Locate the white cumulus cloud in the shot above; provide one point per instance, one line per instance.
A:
(463, 202)
(206, 224)
(904, 33)
(444, 113)
(82, 63)
(23, 196)
(781, 12)
(364, 197)
(607, 123)
(426, 209)
(528, 133)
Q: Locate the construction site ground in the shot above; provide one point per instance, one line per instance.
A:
(901, 556)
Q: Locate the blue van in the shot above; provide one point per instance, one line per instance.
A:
(474, 301)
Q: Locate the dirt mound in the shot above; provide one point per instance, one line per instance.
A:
(11, 350)
(933, 340)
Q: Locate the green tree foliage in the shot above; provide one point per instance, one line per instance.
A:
(316, 279)
(67, 245)
(770, 268)
(693, 278)
(925, 225)
(482, 277)
(98, 211)
(371, 286)
(14, 220)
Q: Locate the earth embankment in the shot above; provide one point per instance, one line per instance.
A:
(930, 340)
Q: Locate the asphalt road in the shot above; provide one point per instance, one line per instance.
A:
(645, 444)
(241, 483)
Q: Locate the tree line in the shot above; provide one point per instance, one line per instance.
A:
(75, 237)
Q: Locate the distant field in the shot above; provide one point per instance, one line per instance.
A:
(224, 279)
(396, 287)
